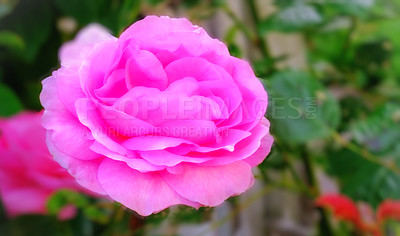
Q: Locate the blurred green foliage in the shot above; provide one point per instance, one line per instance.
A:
(299, 104)
(340, 113)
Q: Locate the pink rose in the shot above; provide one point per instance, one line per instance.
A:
(28, 174)
(161, 116)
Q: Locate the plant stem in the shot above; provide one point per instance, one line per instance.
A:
(250, 36)
(309, 168)
(325, 228)
(296, 177)
(347, 41)
(260, 42)
(3, 217)
(264, 176)
(363, 152)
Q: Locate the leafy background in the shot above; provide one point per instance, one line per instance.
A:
(338, 114)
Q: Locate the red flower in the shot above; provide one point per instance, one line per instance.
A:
(388, 209)
(343, 208)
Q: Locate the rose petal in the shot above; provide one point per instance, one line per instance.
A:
(89, 116)
(210, 185)
(156, 107)
(196, 131)
(72, 52)
(125, 124)
(94, 67)
(68, 87)
(144, 69)
(68, 134)
(15, 201)
(188, 86)
(136, 162)
(265, 148)
(255, 98)
(228, 139)
(113, 88)
(85, 172)
(163, 33)
(243, 149)
(210, 76)
(165, 158)
(145, 193)
(148, 143)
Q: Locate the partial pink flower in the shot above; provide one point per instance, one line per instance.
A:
(28, 174)
(161, 116)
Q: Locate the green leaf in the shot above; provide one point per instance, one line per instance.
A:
(287, 3)
(392, 227)
(190, 215)
(2, 213)
(154, 2)
(190, 3)
(352, 109)
(292, 18)
(217, 3)
(35, 225)
(363, 180)
(84, 11)
(234, 50)
(12, 41)
(115, 15)
(300, 108)
(274, 160)
(65, 197)
(380, 131)
(373, 58)
(82, 226)
(128, 13)
(328, 47)
(388, 30)
(9, 102)
(157, 219)
(97, 214)
(351, 7)
(373, 53)
(31, 20)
